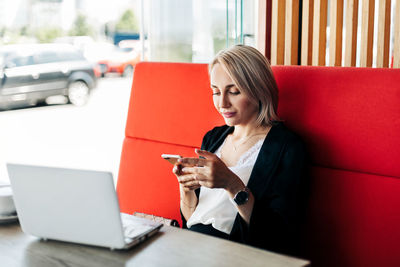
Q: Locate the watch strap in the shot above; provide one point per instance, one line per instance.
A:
(242, 196)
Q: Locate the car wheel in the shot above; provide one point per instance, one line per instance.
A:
(78, 93)
(41, 103)
(128, 71)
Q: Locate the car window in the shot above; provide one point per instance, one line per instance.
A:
(125, 49)
(18, 61)
(70, 56)
(46, 57)
(57, 56)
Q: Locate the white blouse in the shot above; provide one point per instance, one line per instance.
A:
(215, 206)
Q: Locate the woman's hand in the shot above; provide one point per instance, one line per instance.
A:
(210, 171)
(187, 185)
(187, 182)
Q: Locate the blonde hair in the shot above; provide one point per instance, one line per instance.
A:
(252, 74)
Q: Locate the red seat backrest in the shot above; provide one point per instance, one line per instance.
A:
(349, 118)
(169, 112)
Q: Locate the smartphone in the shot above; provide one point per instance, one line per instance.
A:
(171, 158)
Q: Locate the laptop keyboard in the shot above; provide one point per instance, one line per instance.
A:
(133, 228)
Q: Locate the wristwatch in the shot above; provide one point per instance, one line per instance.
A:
(242, 196)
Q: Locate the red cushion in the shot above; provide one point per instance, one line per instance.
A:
(146, 182)
(350, 117)
(354, 219)
(171, 103)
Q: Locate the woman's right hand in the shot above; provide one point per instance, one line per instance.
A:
(187, 181)
(187, 185)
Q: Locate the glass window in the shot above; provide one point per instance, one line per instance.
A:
(18, 61)
(195, 30)
(69, 56)
(46, 57)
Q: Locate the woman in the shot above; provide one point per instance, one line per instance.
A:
(245, 184)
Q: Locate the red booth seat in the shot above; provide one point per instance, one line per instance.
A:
(349, 119)
(169, 112)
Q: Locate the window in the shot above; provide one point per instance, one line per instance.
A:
(194, 31)
(46, 57)
(18, 61)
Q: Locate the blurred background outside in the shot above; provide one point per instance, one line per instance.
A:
(173, 30)
(66, 68)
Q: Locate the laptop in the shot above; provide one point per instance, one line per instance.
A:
(79, 206)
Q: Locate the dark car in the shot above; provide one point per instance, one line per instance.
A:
(29, 74)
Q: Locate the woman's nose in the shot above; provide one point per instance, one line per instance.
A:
(224, 101)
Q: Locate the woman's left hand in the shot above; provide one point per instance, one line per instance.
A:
(210, 170)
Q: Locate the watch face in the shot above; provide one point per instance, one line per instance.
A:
(241, 197)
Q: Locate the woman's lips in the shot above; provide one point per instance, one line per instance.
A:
(228, 114)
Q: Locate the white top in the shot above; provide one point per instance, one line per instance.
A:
(215, 206)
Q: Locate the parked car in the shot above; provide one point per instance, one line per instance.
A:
(121, 60)
(85, 45)
(29, 74)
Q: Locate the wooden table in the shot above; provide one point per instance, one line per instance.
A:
(171, 247)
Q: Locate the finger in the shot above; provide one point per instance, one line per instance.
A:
(186, 178)
(201, 177)
(204, 153)
(192, 177)
(177, 170)
(204, 183)
(193, 187)
(191, 184)
(189, 162)
(193, 169)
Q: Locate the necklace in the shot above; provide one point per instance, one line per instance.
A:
(244, 141)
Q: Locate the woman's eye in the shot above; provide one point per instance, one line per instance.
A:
(234, 92)
(216, 93)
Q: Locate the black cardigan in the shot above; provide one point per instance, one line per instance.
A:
(276, 182)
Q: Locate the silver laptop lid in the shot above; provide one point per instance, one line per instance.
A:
(64, 204)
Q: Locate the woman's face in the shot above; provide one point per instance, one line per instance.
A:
(233, 105)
